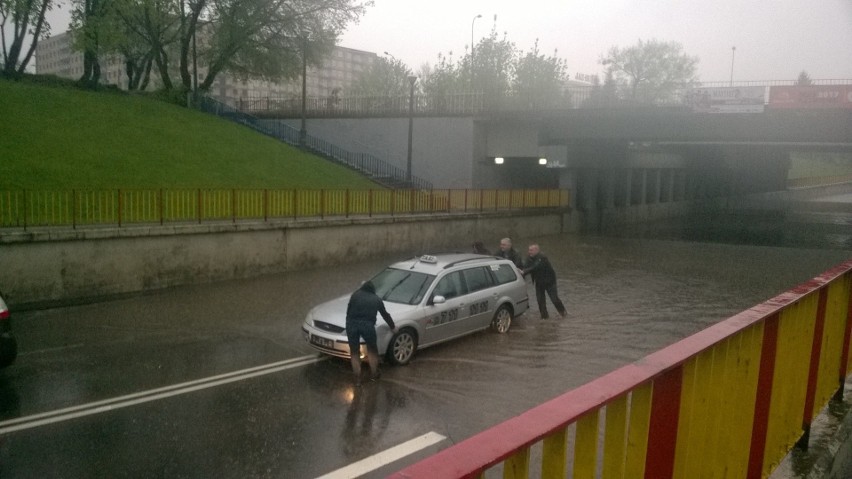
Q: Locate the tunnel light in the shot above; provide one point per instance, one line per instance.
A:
(542, 161)
(498, 160)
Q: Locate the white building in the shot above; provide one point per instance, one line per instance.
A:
(54, 56)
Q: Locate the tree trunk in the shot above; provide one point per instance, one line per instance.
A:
(163, 65)
(36, 34)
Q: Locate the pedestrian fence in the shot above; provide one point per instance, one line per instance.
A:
(375, 168)
(25, 208)
(730, 401)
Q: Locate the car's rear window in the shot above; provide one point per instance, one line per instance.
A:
(504, 273)
(477, 278)
(402, 286)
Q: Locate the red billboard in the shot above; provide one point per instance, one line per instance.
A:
(818, 96)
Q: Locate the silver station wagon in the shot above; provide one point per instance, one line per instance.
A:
(432, 299)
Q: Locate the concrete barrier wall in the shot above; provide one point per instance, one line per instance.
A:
(54, 267)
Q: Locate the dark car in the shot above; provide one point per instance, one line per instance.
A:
(8, 345)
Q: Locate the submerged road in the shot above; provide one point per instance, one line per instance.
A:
(215, 380)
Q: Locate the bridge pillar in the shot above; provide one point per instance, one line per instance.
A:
(627, 185)
(608, 199)
(643, 187)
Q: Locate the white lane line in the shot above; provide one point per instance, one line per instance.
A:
(369, 464)
(105, 405)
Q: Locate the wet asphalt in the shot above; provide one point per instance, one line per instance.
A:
(626, 297)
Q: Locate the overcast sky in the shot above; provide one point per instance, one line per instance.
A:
(774, 39)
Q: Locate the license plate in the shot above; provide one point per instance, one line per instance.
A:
(320, 341)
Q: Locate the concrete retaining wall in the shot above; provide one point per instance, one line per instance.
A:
(57, 266)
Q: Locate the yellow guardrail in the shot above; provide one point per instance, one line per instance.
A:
(24, 208)
(729, 401)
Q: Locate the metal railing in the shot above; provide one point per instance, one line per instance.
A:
(477, 103)
(365, 163)
(729, 401)
(120, 207)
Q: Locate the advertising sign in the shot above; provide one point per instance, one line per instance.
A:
(749, 99)
(815, 96)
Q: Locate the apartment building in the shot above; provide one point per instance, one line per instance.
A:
(340, 71)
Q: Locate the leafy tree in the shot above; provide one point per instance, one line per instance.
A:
(444, 78)
(493, 64)
(602, 95)
(804, 79)
(266, 38)
(536, 75)
(651, 72)
(26, 19)
(386, 77)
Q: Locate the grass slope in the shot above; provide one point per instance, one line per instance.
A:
(58, 138)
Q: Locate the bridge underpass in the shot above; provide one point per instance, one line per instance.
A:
(609, 158)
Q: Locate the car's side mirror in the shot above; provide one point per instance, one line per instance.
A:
(438, 299)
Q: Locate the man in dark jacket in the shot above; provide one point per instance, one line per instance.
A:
(544, 278)
(361, 323)
(506, 251)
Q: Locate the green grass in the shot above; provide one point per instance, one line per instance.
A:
(62, 138)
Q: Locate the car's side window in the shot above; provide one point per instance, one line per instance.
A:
(477, 278)
(450, 286)
(503, 273)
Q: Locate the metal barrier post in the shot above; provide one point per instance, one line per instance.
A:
(74, 209)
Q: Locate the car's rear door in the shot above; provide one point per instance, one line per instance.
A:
(481, 297)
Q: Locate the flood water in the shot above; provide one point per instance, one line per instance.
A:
(627, 294)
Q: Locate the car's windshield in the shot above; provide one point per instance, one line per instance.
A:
(402, 286)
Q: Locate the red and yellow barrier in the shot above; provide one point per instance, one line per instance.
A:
(24, 208)
(730, 401)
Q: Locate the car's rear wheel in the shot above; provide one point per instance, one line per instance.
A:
(402, 346)
(502, 319)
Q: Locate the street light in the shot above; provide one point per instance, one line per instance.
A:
(303, 131)
(471, 47)
(412, 80)
(733, 50)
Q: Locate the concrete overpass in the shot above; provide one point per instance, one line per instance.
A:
(610, 157)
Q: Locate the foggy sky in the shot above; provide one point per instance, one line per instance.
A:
(774, 39)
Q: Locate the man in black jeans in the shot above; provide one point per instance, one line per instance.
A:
(361, 323)
(544, 278)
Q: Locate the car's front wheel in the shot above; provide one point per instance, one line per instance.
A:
(402, 346)
(502, 319)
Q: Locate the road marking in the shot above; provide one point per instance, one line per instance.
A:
(59, 415)
(369, 464)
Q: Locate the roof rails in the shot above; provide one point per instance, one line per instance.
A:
(450, 265)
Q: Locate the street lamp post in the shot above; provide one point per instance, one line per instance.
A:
(472, 22)
(303, 130)
(733, 51)
(412, 80)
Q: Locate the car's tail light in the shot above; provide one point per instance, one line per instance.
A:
(4, 313)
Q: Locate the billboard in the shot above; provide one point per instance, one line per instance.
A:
(814, 96)
(749, 99)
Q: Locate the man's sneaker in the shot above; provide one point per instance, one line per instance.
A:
(563, 314)
(375, 377)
